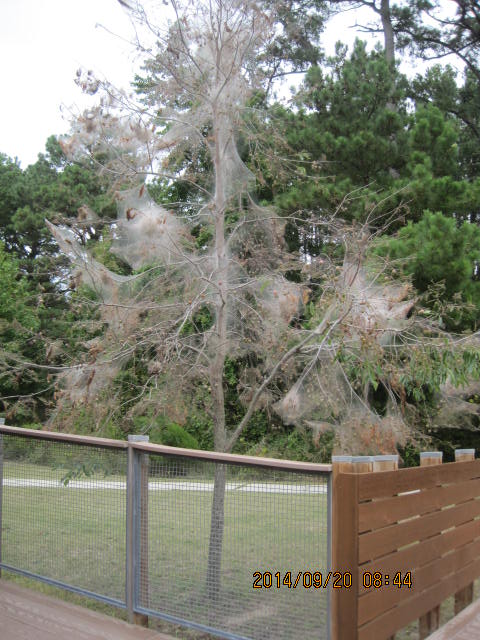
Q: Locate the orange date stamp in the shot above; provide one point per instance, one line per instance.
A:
(302, 579)
(332, 579)
(378, 580)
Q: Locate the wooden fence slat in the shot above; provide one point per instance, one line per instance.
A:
(383, 463)
(417, 555)
(411, 609)
(379, 543)
(429, 622)
(423, 520)
(376, 602)
(465, 596)
(381, 513)
(362, 464)
(340, 464)
(390, 483)
(344, 547)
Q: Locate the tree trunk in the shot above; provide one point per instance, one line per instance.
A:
(220, 344)
(387, 31)
(216, 534)
(219, 427)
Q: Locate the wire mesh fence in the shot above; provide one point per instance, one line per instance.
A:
(63, 514)
(236, 550)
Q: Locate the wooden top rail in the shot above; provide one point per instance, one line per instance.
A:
(209, 456)
(394, 482)
(64, 437)
(231, 458)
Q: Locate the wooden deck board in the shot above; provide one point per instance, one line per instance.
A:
(27, 614)
(464, 626)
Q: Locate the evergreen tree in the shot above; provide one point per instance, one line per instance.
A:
(437, 252)
(432, 30)
(57, 188)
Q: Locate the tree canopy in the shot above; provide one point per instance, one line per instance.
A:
(273, 278)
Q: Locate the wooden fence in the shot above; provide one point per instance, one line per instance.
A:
(410, 538)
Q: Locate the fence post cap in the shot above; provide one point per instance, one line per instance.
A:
(464, 451)
(341, 459)
(362, 459)
(138, 438)
(431, 454)
(386, 458)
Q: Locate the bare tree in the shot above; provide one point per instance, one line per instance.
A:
(195, 104)
(200, 79)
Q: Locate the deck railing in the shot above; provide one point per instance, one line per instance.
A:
(231, 545)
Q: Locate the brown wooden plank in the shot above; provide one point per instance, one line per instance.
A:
(464, 626)
(378, 543)
(232, 458)
(64, 437)
(431, 620)
(465, 596)
(385, 484)
(411, 609)
(385, 463)
(381, 513)
(417, 555)
(376, 601)
(229, 458)
(345, 519)
(26, 614)
(340, 464)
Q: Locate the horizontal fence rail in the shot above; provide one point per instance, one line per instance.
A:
(232, 545)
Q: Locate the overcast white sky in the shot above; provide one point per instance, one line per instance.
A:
(43, 43)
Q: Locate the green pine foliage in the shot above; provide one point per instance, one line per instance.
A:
(438, 251)
(361, 140)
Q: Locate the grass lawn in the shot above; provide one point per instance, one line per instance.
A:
(77, 535)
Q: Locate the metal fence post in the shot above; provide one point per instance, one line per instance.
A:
(329, 553)
(137, 531)
(2, 421)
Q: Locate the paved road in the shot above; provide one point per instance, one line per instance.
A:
(247, 487)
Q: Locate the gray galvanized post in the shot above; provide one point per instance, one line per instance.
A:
(329, 552)
(2, 421)
(137, 531)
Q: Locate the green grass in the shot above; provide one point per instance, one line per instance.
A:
(78, 536)
(47, 533)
